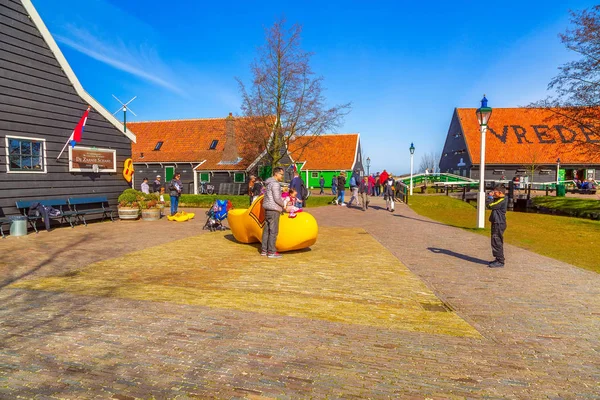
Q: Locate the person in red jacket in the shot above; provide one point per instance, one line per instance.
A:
(371, 185)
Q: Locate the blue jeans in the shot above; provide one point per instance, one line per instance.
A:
(341, 196)
(334, 190)
(174, 204)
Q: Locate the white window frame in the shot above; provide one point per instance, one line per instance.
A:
(31, 171)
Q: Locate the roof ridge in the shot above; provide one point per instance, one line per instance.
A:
(178, 120)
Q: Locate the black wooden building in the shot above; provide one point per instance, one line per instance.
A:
(41, 102)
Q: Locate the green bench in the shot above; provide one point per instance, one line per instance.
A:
(83, 206)
(66, 214)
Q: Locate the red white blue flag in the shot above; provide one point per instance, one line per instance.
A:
(76, 136)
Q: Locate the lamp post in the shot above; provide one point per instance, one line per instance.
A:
(483, 116)
(412, 153)
(558, 170)
(368, 165)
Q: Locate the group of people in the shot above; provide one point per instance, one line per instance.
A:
(379, 185)
(175, 188)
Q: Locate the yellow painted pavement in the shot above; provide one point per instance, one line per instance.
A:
(347, 277)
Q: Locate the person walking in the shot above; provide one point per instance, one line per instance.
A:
(175, 188)
(144, 187)
(364, 191)
(341, 188)
(354, 184)
(377, 184)
(322, 184)
(273, 206)
(496, 202)
(157, 185)
(334, 181)
(388, 192)
(251, 188)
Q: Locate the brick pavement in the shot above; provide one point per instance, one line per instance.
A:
(539, 318)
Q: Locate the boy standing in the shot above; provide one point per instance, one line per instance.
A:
(496, 202)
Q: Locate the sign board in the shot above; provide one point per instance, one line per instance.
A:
(91, 159)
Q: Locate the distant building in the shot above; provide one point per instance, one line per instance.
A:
(524, 142)
(216, 151)
(41, 103)
(326, 155)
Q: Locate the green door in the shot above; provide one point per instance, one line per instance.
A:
(169, 172)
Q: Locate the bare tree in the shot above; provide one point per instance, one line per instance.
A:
(285, 97)
(430, 161)
(577, 86)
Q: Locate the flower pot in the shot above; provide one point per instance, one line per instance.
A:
(128, 212)
(151, 214)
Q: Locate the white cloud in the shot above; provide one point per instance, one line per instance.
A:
(143, 62)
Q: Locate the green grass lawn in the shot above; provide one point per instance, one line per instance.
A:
(569, 205)
(573, 240)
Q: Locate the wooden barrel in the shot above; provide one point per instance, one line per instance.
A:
(151, 214)
(128, 213)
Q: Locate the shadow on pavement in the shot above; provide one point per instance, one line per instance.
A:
(458, 255)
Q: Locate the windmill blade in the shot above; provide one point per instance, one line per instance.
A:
(129, 109)
(120, 108)
(118, 99)
(134, 97)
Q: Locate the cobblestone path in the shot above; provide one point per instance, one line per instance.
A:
(537, 321)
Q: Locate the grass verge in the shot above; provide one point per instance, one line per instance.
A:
(571, 240)
(576, 207)
(205, 200)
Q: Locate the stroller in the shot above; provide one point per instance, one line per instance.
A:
(216, 214)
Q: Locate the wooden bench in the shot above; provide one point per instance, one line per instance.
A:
(100, 206)
(59, 204)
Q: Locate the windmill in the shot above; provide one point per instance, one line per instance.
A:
(124, 108)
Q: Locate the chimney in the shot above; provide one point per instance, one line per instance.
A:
(230, 152)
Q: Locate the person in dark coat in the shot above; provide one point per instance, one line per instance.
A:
(322, 184)
(341, 187)
(496, 202)
(175, 189)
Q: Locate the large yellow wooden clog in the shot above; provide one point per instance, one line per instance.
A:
(294, 233)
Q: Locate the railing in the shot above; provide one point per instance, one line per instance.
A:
(401, 192)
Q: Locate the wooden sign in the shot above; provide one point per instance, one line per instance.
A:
(91, 159)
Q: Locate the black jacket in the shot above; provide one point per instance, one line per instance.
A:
(498, 207)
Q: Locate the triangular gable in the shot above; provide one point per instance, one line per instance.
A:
(331, 152)
(47, 36)
(524, 136)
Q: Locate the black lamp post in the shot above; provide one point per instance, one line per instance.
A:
(368, 165)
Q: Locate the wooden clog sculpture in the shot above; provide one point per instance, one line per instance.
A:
(294, 233)
(181, 216)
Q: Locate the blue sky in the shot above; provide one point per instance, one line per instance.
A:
(404, 65)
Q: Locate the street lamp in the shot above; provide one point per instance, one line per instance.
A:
(368, 165)
(558, 170)
(412, 153)
(483, 116)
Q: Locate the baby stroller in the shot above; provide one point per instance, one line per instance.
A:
(216, 214)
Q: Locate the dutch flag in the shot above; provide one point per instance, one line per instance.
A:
(76, 136)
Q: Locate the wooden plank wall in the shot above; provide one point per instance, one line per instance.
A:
(38, 101)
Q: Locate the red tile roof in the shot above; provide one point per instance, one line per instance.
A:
(331, 152)
(189, 140)
(529, 136)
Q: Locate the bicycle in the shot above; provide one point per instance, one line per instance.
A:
(206, 188)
